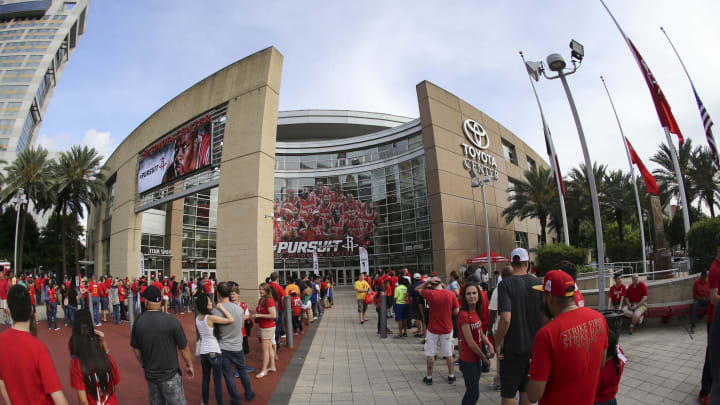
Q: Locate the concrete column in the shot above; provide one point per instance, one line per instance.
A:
(173, 232)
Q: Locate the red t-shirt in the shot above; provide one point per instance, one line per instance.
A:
(94, 288)
(713, 282)
(158, 285)
(472, 319)
(296, 303)
(265, 309)
(610, 379)
(142, 291)
(121, 292)
(38, 283)
(37, 379)
(244, 308)
(3, 289)
(567, 353)
(485, 318)
(106, 286)
(616, 293)
(52, 295)
(442, 303)
(701, 289)
(208, 287)
(77, 382)
(31, 290)
(635, 293)
(134, 288)
(280, 292)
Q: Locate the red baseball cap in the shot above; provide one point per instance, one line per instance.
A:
(557, 283)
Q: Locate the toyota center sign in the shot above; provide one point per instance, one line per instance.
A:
(475, 155)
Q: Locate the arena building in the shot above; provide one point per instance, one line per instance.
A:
(218, 181)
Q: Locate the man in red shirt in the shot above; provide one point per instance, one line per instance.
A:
(439, 329)
(94, 288)
(636, 305)
(280, 292)
(4, 287)
(27, 373)
(38, 288)
(713, 286)
(104, 300)
(568, 352)
(701, 298)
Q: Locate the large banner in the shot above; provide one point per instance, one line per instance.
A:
(176, 155)
(319, 221)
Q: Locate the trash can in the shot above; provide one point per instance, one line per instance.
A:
(614, 319)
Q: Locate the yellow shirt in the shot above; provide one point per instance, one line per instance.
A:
(292, 287)
(361, 285)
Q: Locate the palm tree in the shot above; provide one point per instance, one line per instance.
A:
(80, 183)
(665, 175)
(704, 179)
(532, 198)
(619, 199)
(578, 203)
(30, 171)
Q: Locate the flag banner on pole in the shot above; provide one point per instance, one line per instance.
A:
(667, 120)
(316, 269)
(364, 265)
(650, 183)
(554, 163)
(707, 124)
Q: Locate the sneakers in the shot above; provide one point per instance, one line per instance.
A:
(451, 379)
(495, 386)
(283, 336)
(427, 380)
(249, 369)
(237, 374)
(57, 328)
(704, 400)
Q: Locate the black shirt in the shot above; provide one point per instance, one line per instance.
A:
(157, 335)
(525, 306)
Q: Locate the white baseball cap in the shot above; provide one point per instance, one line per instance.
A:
(417, 276)
(521, 254)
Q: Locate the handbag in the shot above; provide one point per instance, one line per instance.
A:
(369, 297)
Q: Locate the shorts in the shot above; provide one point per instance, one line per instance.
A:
(431, 344)
(306, 306)
(104, 302)
(3, 304)
(415, 312)
(267, 333)
(401, 312)
(361, 305)
(642, 308)
(513, 374)
(166, 298)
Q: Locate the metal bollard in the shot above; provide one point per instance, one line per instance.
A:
(287, 319)
(131, 311)
(383, 315)
(90, 305)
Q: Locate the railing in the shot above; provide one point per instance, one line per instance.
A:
(679, 267)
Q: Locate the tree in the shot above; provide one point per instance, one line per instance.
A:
(578, 203)
(665, 175)
(80, 183)
(620, 199)
(532, 198)
(52, 243)
(30, 171)
(7, 237)
(705, 180)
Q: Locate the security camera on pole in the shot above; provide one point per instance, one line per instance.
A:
(556, 63)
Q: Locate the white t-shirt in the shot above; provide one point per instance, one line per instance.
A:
(493, 306)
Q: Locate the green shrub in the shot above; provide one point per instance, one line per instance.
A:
(701, 239)
(550, 255)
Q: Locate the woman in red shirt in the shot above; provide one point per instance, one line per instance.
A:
(265, 315)
(93, 373)
(471, 340)
(611, 372)
(52, 304)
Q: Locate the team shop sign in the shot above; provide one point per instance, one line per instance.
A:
(475, 156)
(321, 247)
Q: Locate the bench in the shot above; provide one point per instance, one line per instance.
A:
(670, 309)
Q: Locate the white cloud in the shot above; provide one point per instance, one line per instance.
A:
(103, 142)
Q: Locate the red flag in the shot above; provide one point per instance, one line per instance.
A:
(554, 168)
(650, 183)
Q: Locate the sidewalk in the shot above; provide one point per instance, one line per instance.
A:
(348, 363)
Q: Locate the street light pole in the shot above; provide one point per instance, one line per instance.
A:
(476, 182)
(19, 201)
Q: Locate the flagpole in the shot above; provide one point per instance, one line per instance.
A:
(673, 153)
(678, 56)
(546, 133)
(632, 177)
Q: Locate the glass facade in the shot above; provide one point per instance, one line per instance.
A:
(155, 261)
(199, 233)
(401, 234)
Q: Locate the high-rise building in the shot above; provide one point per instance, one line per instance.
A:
(36, 40)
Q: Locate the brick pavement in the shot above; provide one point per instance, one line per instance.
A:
(349, 364)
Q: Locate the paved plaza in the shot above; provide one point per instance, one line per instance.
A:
(348, 363)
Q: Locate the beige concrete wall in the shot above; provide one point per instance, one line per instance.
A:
(250, 87)
(456, 209)
(173, 232)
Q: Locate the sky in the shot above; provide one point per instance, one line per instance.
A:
(136, 55)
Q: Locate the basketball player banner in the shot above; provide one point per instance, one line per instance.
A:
(175, 155)
(327, 223)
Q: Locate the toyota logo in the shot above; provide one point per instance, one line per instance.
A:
(476, 134)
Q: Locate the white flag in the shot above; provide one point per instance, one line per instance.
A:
(316, 270)
(364, 265)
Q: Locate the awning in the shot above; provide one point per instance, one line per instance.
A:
(494, 258)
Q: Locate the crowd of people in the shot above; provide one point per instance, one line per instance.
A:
(550, 348)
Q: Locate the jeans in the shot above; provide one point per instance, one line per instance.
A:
(116, 314)
(52, 316)
(96, 309)
(65, 312)
(238, 359)
(707, 378)
(610, 402)
(697, 304)
(71, 311)
(315, 309)
(211, 362)
(297, 325)
(471, 373)
(168, 392)
(123, 311)
(104, 302)
(177, 308)
(279, 330)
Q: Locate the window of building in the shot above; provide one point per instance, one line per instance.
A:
(521, 239)
(110, 200)
(531, 164)
(12, 61)
(33, 60)
(13, 92)
(69, 5)
(509, 152)
(18, 76)
(11, 35)
(4, 144)
(11, 110)
(6, 126)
